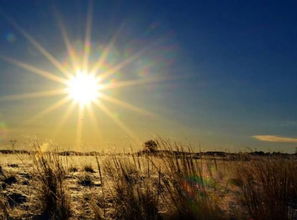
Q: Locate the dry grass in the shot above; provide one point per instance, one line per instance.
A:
(190, 190)
(133, 194)
(4, 210)
(269, 188)
(50, 175)
(3, 207)
(172, 185)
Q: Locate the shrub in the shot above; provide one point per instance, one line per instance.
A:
(151, 146)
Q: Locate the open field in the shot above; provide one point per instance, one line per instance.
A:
(89, 89)
(147, 186)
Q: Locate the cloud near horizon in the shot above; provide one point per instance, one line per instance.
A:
(272, 138)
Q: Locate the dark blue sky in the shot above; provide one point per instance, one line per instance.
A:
(236, 61)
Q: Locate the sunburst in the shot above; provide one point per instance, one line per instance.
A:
(83, 88)
(84, 84)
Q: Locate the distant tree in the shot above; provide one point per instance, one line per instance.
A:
(151, 146)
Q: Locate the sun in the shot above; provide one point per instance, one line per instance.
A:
(85, 81)
(83, 88)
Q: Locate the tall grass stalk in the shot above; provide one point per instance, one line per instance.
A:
(4, 214)
(168, 186)
(269, 188)
(53, 198)
(188, 185)
(134, 194)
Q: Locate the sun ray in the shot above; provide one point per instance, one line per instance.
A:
(40, 48)
(93, 119)
(127, 61)
(64, 118)
(79, 126)
(95, 122)
(101, 59)
(128, 83)
(49, 109)
(35, 70)
(121, 65)
(87, 43)
(33, 95)
(126, 105)
(71, 51)
(105, 53)
(118, 122)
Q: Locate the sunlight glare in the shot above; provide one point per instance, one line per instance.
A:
(83, 88)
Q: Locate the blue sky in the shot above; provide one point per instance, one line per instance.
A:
(230, 67)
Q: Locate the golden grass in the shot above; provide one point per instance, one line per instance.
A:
(169, 184)
(4, 211)
(269, 188)
(50, 174)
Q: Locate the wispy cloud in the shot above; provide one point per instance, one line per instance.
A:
(278, 139)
